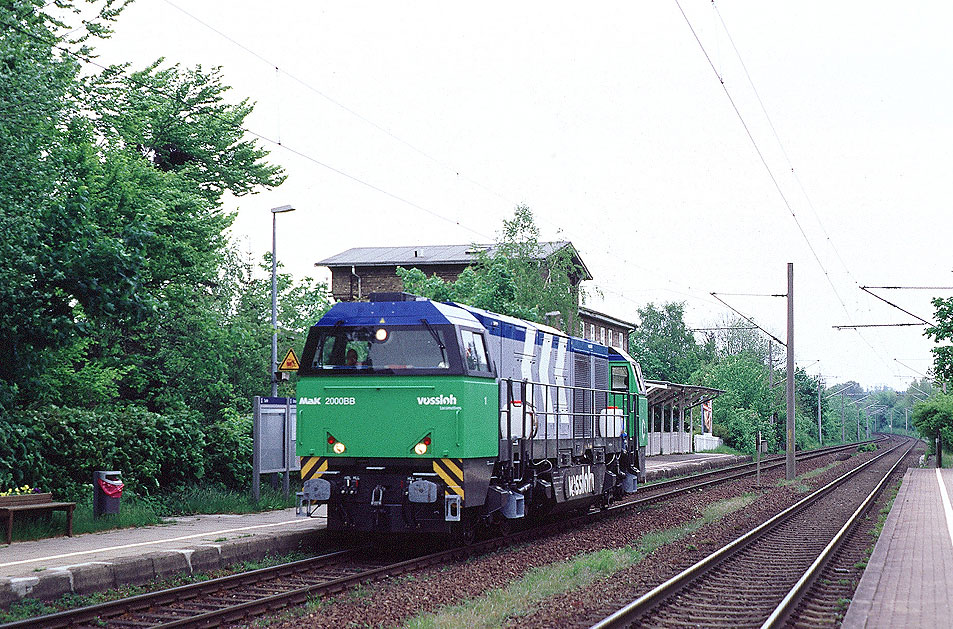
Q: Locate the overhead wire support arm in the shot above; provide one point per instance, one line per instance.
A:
(909, 287)
(916, 371)
(749, 319)
(875, 325)
(839, 391)
(742, 327)
(867, 290)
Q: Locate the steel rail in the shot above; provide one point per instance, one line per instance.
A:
(790, 600)
(110, 609)
(624, 616)
(138, 603)
(744, 469)
(243, 610)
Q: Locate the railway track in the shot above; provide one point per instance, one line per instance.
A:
(760, 578)
(242, 596)
(675, 486)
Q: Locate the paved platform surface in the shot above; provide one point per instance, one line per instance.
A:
(908, 581)
(667, 465)
(92, 562)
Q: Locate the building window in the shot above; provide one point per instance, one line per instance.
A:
(592, 332)
(602, 335)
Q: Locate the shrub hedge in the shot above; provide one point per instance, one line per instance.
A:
(57, 449)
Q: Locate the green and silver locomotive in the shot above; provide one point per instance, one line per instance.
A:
(426, 417)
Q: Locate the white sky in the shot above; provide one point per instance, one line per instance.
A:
(609, 122)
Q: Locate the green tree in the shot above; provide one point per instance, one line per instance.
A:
(663, 344)
(111, 224)
(178, 121)
(934, 417)
(61, 267)
(744, 408)
(942, 331)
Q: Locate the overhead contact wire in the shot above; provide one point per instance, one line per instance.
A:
(777, 138)
(774, 180)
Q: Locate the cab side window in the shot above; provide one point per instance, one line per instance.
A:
(474, 351)
(620, 378)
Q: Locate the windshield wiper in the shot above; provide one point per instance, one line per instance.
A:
(436, 337)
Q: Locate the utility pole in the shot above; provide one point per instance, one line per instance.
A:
(771, 379)
(274, 295)
(789, 469)
(843, 437)
(906, 419)
(820, 435)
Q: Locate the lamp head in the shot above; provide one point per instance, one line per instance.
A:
(282, 208)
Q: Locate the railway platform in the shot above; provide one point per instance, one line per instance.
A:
(661, 466)
(91, 562)
(909, 578)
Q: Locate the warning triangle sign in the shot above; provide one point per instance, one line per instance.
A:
(290, 363)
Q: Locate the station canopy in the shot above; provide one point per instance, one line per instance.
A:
(688, 395)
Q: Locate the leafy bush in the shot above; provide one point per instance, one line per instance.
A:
(228, 450)
(57, 449)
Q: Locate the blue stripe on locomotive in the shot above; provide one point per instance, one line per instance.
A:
(361, 313)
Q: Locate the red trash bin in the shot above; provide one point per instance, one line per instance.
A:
(107, 493)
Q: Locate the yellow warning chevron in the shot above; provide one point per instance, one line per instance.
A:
(451, 471)
(313, 466)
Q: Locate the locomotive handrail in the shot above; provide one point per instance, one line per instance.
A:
(539, 427)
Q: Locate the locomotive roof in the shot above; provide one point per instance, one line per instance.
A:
(397, 313)
(486, 315)
(411, 312)
(518, 328)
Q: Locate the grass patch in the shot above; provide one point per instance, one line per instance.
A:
(720, 509)
(798, 482)
(723, 449)
(519, 598)
(30, 607)
(516, 600)
(818, 471)
(145, 511)
(199, 500)
(884, 512)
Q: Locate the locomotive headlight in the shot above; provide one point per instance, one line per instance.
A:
(422, 445)
(338, 447)
(381, 334)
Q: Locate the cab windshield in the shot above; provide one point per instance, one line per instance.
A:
(424, 348)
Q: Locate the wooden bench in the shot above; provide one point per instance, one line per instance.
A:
(9, 505)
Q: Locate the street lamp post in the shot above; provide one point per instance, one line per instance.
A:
(275, 211)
